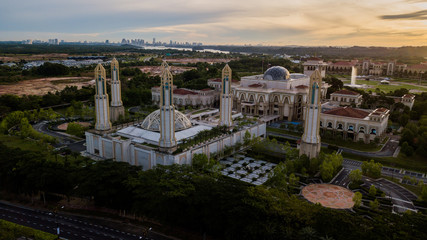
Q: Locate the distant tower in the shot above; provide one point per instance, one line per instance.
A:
(116, 108)
(226, 98)
(101, 100)
(167, 139)
(310, 142)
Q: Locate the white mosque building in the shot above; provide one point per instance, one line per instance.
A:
(160, 138)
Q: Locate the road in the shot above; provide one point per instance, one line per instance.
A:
(64, 139)
(71, 227)
(387, 151)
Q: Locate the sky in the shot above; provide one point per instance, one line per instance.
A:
(268, 22)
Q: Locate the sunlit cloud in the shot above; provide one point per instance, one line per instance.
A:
(273, 22)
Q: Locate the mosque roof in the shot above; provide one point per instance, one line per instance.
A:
(276, 73)
(347, 112)
(152, 121)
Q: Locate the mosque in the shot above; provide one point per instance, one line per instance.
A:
(163, 136)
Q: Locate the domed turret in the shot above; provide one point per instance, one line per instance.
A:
(276, 73)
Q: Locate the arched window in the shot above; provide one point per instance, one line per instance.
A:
(373, 131)
(251, 98)
(361, 129)
(329, 125)
(339, 126)
(321, 124)
(351, 128)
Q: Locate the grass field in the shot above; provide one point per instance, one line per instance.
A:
(415, 163)
(387, 88)
(9, 230)
(17, 142)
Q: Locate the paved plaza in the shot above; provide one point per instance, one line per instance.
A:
(329, 195)
(247, 169)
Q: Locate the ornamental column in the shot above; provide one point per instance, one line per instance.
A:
(226, 98)
(101, 100)
(310, 141)
(167, 139)
(116, 108)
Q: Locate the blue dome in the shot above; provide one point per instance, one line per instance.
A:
(276, 73)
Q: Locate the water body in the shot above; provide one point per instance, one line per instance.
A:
(183, 49)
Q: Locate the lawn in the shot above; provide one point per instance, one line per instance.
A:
(415, 163)
(387, 88)
(17, 142)
(9, 230)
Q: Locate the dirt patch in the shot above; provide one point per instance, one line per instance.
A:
(329, 195)
(42, 86)
(28, 57)
(64, 126)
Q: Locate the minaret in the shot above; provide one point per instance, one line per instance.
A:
(101, 100)
(310, 142)
(116, 108)
(167, 139)
(226, 98)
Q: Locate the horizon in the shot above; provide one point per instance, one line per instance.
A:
(274, 23)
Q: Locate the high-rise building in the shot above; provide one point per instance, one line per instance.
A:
(154, 41)
(226, 98)
(116, 108)
(101, 100)
(167, 141)
(310, 141)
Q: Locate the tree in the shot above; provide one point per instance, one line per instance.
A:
(372, 191)
(326, 171)
(75, 129)
(374, 204)
(200, 161)
(357, 199)
(371, 169)
(247, 137)
(355, 176)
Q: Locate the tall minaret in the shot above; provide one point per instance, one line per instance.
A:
(167, 139)
(101, 100)
(310, 142)
(116, 108)
(226, 98)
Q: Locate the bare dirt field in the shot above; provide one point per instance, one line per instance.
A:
(155, 70)
(64, 126)
(42, 86)
(28, 57)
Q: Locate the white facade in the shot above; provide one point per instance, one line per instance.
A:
(283, 97)
(130, 145)
(101, 100)
(226, 99)
(315, 63)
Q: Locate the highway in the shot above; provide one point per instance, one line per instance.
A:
(72, 227)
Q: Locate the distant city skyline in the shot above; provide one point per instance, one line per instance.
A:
(275, 22)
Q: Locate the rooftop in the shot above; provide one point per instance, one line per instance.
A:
(348, 112)
(346, 92)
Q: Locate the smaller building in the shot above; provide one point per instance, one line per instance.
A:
(315, 63)
(216, 83)
(357, 124)
(408, 100)
(183, 97)
(346, 98)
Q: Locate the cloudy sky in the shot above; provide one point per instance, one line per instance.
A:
(267, 22)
